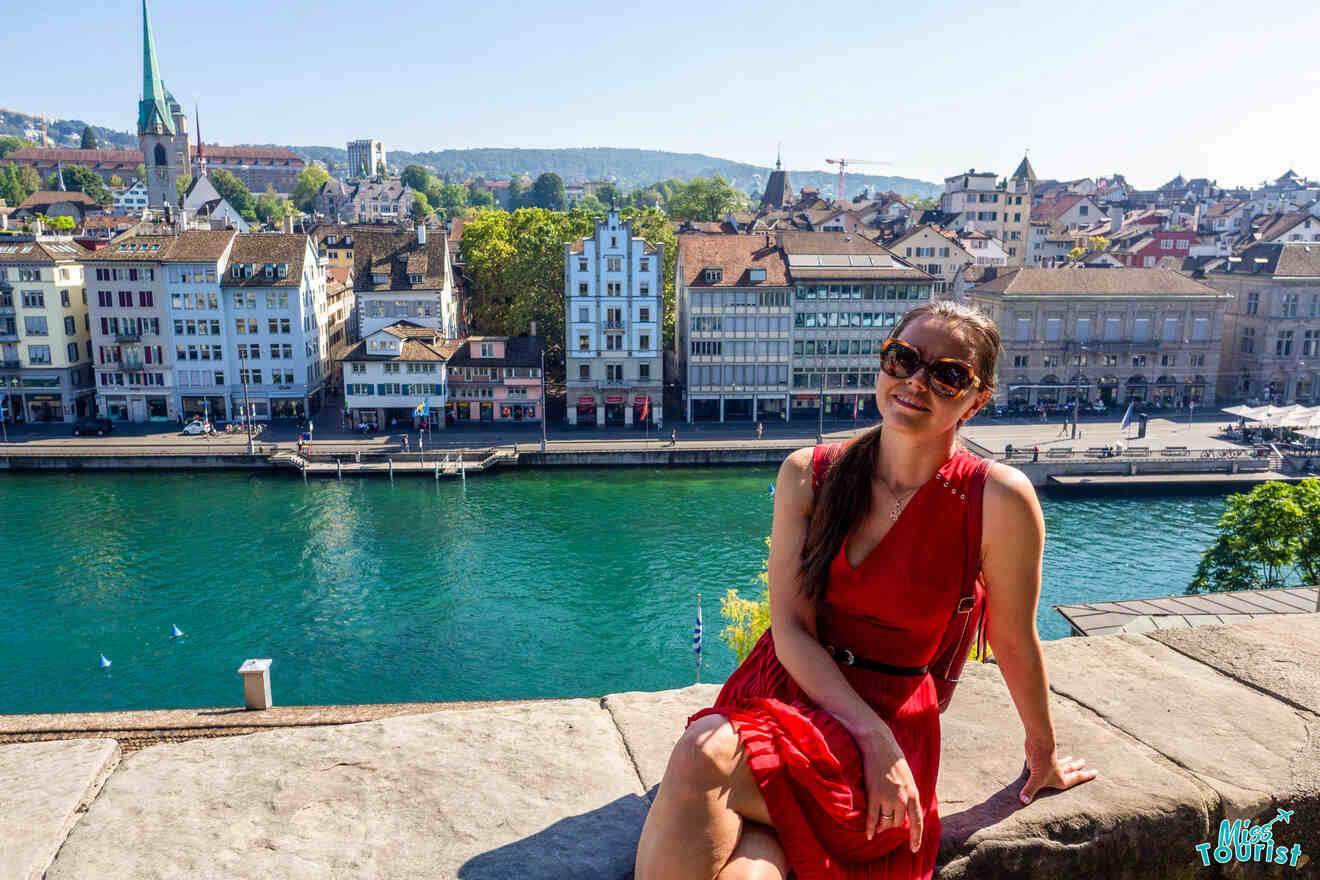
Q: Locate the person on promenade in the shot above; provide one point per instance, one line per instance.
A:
(1035, 454)
(673, 436)
(821, 752)
(760, 430)
(405, 442)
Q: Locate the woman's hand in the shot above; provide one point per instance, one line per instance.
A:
(1047, 770)
(891, 792)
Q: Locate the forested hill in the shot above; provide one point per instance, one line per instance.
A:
(627, 168)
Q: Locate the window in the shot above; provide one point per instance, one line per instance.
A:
(1290, 304)
(644, 314)
(582, 264)
(584, 342)
(1113, 326)
(1138, 360)
(1170, 330)
(1200, 329)
(1283, 346)
(39, 354)
(35, 325)
(1052, 329)
(582, 288)
(645, 264)
(643, 371)
(713, 276)
(1141, 330)
(644, 288)
(644, 342)
(614, 372)
(1168, 360)
(1021, 360)
(1083, 329)
(33, 299)
(105, 299)
(1148, 262)
(1183, 244)
(1311, 343)
(70, 325)
(1023, 329)
(614, 342)
(1248, 341)
(73, 352)
(1253, 302)
(1083, 210)
(1166, 244)
(613, 264)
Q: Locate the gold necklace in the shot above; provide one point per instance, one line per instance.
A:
(899, 504)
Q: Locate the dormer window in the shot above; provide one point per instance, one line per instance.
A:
(756, 274)
(330, 239)
(282, 270)
(713, 275)
(269, 270)
(379, 278)
(487, 349)
(414, 279)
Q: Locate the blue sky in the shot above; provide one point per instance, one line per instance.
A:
(1146, 89)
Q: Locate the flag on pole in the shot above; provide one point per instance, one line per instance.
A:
(856, 402)
(696, 635)
(423, 409)
(646, 407)
(1127, 417)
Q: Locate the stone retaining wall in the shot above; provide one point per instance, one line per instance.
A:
(1187, 727)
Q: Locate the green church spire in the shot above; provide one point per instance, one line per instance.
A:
(153, 109)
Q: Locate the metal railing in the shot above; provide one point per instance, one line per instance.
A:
(1260, 454)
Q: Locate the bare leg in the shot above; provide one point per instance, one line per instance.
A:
(696, 821)
(758, 856)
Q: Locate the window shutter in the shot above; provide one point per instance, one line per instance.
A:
(380, 389)
(407, 389)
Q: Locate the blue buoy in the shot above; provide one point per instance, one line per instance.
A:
(105, 664)
(771, 490)
(175, 632)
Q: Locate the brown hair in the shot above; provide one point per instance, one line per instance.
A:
(844, 497)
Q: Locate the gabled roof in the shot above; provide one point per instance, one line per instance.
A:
(519, 351)
(46, 197)
(1095, 282)
(200, 245)
(395, 254)
(1291, 260)
(1281, 224)
(135, 249)
(419, 344)
(261, 248)
(33, 251)
(1052, 209)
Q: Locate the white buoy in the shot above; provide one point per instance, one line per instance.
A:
(175, 632)
(105, 664)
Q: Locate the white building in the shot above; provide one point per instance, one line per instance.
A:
(365, 153)
(275, 304)
(394, 370)
(132, 200)
(400, 275)
(613, 325)
(197, 323)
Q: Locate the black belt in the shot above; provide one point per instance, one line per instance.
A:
(844, 657)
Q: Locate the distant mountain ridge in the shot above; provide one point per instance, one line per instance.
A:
(627, 168)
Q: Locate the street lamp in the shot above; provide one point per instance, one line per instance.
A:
(543, 397)
(820, 413)
(247, 409)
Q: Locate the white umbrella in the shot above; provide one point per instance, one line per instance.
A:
(1241, 411)
(1313, 433)
(1302, 417)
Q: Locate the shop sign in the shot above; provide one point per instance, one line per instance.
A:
(614, 400)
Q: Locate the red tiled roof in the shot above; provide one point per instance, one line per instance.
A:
(735, 254)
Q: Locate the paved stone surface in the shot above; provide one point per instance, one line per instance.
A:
(1254, 751)
(652, 722)
(1279, 655)
(42, 788)
(537, 790)
(1101, 828)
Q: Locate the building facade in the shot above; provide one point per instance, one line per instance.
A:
(45, 344)
(403, 275)
(133, 352)
(365, 157)
(497, 379)
(733, 328)
(273, 291)
(201, 334)
(1001, 209)
(613, 325)
(1106, 335)
(1271, 346)
(938, 255)
(392, 372)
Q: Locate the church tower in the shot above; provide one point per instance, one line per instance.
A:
(162, 128)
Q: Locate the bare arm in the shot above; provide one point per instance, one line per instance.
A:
(889, 785)
(1013, 542)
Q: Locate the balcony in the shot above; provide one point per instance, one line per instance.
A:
(129, 367)
(613, 325)
(10, 364)
(128, 335)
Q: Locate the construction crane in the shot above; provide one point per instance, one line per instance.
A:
(843, 165)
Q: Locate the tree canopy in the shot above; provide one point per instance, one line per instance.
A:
(88, 139)
(415, 177)
(235, 192)
(309, 183)
(140, 172)
(548, 192)
(478, 197)
(1267, 537)
(9, 143)
(181, 185)
(421, 205)
(83, 180)
(705, 199)
(270, 207)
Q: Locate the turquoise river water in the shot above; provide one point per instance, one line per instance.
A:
(511, 586)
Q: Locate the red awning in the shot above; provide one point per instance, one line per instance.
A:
(614, 400)
(586, 400)
(586, 405)
(641, 399)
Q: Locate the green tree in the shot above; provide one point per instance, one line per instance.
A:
(83, 180)
(1265, 536)
(704, 198)
(480, 198)
(421, 206)
(88, 139)
(591, 205)
(9, 143)
(548, 192)
(181, 185)
(309, 183)
(270, 207)
(11, 189)
(140, 172)
(517, 194)
(609, 194)
(116, 180)
(63, 224)
(1098, 244)
(922, 203)
(29, 179)
(450, 198)
(235, 192)
(381, 173)
(748, 619)
(415, 177)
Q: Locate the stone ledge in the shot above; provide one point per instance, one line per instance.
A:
(1225, 726)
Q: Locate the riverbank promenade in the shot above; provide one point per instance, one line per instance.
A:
(1187, 727)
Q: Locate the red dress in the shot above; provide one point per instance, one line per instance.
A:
(892, 608)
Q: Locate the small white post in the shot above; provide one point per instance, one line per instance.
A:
(339, 468)
(437, 471)
(462, 468)
(391, 461)
(256, 684)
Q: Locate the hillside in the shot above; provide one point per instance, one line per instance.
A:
(628, 168)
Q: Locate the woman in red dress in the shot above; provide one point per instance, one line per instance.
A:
(824, 766)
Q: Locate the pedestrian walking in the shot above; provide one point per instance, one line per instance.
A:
(405, 442)
(419, 441)
(760, 430)
(673, 437)
(1035, 453)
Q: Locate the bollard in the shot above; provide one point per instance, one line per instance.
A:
(256, 684)
(339, 468)
(437, 471)
(462, 468)
(391, 461)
